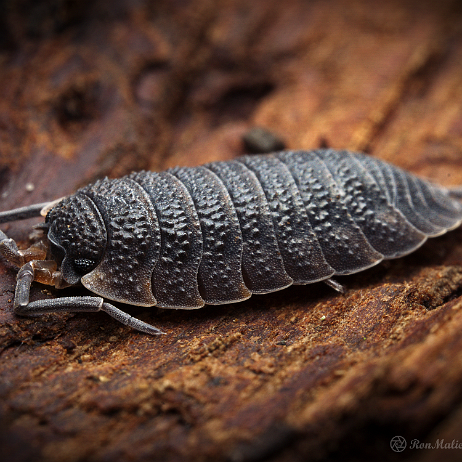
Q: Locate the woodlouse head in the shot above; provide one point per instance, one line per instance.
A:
(77, 236)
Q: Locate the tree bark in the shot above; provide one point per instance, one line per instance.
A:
(89, 89)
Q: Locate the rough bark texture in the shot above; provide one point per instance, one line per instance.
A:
(89, 89)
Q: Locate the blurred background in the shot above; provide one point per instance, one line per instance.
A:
(105, 87)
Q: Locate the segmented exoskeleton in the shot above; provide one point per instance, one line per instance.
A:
(221, 232)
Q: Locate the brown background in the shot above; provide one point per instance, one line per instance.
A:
(94, 88)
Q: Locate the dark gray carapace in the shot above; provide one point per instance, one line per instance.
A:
(221, 232)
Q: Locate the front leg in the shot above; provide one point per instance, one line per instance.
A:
(10, 251)
(44, 272)
(84, 304)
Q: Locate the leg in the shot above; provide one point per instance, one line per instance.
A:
(10, 251)
(335, 285)
(23, 307)
(84, 304)
(130, 321)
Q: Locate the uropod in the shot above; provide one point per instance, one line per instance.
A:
(220, 232)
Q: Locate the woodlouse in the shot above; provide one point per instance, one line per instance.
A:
(218, 233)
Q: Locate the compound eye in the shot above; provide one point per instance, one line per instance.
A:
(83, 265)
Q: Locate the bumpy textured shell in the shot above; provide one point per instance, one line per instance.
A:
(218, 233)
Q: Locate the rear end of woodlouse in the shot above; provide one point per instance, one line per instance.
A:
(220, 232)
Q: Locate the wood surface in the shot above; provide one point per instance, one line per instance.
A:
(89, 89)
